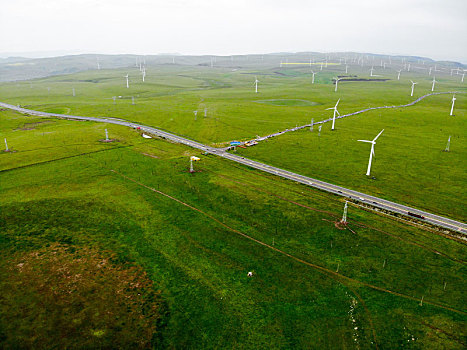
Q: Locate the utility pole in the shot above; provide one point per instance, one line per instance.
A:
(344, 216)
(447, 146)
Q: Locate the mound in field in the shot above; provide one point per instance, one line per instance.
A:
(76, 297)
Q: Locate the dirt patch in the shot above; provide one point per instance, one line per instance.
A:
(86, 296)
(149, 155)
(108, 141)
(32, 126)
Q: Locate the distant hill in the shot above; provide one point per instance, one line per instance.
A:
(22, 68)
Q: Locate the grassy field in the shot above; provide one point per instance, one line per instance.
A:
(198, 235)
(409, 168)
(193, 238)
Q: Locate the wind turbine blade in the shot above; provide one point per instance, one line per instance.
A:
(365, 141)
(378, 135)
(337, 103)
(329, 108)
(338, 112)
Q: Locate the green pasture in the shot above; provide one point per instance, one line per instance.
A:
(62, 185)
(379, 283)
(410, 166)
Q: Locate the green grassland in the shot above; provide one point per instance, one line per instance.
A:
(410, 166)
(314, 285)
(197, 235)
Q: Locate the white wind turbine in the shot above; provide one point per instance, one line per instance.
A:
(433, 86)
(462, 79)
(371, 71)
(372, 152)
(127, 85)
(144, 73)
(452, 106)
(256, 84)
(334, 115)
(313, 77)
(337, 80)
(413, 87)
(399, 74)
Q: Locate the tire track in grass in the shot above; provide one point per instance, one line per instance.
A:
(318, 267)
(335, 275)
(62, 158)
(415, 243)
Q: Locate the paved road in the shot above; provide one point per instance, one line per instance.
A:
(341, 191)
(262, 138)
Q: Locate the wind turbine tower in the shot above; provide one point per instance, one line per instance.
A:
(399, 74)
(256, 84)
(372, 152)
(337, 81)
(433, 86)
(6, 146)
(413, 87)
(334, 115)
(452, 106)
(313, 77)
(127, 85)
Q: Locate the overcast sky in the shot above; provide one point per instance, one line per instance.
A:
(432, 28)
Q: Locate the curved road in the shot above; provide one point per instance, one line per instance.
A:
(376, 202)
(262, 138)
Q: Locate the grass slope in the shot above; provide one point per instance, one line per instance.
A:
(197, 236)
